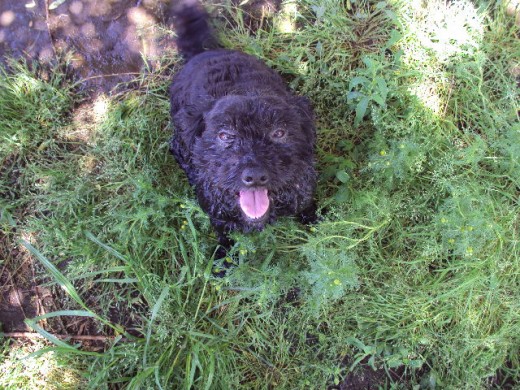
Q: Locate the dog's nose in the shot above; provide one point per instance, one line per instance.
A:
(255, 177)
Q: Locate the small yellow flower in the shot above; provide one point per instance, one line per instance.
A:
(217, 288)
(443, 220)
(469, 250)
(382, 152)
(451, 241)
(470, 228)
(229, 259)
(337, 282)
(243, 252)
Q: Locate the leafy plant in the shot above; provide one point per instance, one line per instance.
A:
(370, 87)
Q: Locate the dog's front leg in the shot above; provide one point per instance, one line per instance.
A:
(224, 245)
(309, 216)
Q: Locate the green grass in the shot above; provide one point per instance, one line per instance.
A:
(415, 267)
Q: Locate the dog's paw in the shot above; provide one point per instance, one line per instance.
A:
(223, 265)
(310, 216)
(224, 259)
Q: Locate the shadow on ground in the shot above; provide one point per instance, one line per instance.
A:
(111, 41)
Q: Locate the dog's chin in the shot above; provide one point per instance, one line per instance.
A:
(257, 224)
(254, 204)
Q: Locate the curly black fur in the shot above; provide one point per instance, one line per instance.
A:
(238, 127)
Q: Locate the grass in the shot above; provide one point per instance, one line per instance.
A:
(415, 268)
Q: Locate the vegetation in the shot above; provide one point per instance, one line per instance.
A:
(414, 269)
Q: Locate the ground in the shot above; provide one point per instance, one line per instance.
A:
(109, 42)
(423, 193)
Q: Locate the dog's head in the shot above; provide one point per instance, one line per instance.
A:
(256, 155)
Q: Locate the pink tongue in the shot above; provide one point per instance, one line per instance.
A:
(254, 203)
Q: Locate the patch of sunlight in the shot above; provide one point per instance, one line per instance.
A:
(435, 33)
(20, 371)
(30, 238)
(431, 93)
(445, 28)
(6, 18)
(303, 68)
(513, 9)
(285, 21)
(86, 119)
(88, 164)
(101, 105)
(25, 85)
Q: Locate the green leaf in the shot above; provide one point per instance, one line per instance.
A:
(382, 86)
(211, 371)
(394, 37)
(319, 48)
(394, 363)
(155, 310)
(319, 10)
(357, 81)
(61, 345)
(379, 100)
(416, 363)
(361, 110)
(342, 195)
(369, 62)
(64, 283)
(59, 313)
(353, 96)
(356, 343)
(94, 239)
(342, 176)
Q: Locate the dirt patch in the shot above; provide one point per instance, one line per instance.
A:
(111, 41)
(17, 287)
(23, 297)
(23, 30)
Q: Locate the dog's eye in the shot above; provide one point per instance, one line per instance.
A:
(226, 136)
(278, 134)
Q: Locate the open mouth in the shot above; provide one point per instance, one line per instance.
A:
(254, 202)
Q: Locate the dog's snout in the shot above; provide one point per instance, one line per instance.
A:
(256, 176)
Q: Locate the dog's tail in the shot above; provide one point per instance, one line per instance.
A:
(194, 34)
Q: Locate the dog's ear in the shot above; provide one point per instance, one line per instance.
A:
(304, 107)
(190, 120)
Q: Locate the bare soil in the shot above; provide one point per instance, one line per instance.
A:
(110, 40)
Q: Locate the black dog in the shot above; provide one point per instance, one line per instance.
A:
(244, 139)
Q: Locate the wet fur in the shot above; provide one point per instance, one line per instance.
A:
(225, 89)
